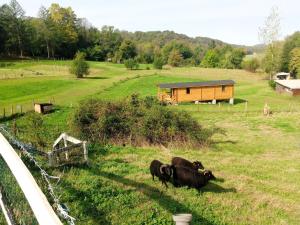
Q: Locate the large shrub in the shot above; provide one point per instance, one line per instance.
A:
(131, 64)
(138, 122)
(158, 63)
(272, 84)
(251, 65)
(211, 59)
(35, 124)
(175, 58)
(79, 66)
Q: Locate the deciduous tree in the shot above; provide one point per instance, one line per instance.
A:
(270, 34)
(127, 50)
(12, 20)
(79, 66)
(294, 64)
(211, 59)
(290, 43)
(175, 58)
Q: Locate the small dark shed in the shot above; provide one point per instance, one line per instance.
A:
(43, 107)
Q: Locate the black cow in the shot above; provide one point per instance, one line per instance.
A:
(183, 176)
(160, 170)
(178, 161)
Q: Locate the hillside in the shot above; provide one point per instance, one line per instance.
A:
(256, 162)
(163, 37)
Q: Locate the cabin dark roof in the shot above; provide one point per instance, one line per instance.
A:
(197, 84)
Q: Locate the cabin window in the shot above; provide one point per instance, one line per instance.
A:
(223, 88)
(188, 91)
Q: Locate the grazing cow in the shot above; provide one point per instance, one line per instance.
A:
(183, 176)
(160, 170)
(178, 161)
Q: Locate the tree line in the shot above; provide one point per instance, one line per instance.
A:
(57, 32)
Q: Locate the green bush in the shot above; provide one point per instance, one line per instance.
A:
(272, 84)
(79, 66)
(251, 65)
(137, 122)
(35, 124)
(211, 59)
(158, 63)
(175, 58)
(131, 64)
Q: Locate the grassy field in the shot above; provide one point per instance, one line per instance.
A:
(54, 82)
(257, 162)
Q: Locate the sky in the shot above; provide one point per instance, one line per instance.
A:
(232, 21)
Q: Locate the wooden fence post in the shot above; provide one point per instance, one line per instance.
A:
(51, 159)
(85, 152)
(66, 153)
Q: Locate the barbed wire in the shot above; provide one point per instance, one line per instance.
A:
(26, 149)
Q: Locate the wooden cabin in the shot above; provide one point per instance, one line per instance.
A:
(197, 91)
(292, 87)
(43, 107)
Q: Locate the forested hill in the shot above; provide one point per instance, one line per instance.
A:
(163, 37)
(57, 32)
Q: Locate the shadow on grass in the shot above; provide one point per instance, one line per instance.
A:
(165, 201)
(225, 142)
(85, 204)
(222, 180)
(11, 117)
(215, 188)
(94, 78)
(239, 101)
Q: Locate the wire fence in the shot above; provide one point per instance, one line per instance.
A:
(14, 198)
(14, 110)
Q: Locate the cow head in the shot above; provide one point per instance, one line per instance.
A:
(166, 170)
(198, 165)
(209, 175)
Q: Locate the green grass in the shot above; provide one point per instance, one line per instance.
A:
(55, 83)
(257, 161)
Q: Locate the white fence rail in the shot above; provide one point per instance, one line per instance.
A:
(5, 211)
(35, 197)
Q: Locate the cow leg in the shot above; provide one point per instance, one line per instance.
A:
(165, 183)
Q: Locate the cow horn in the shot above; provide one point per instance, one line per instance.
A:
(161, 168)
